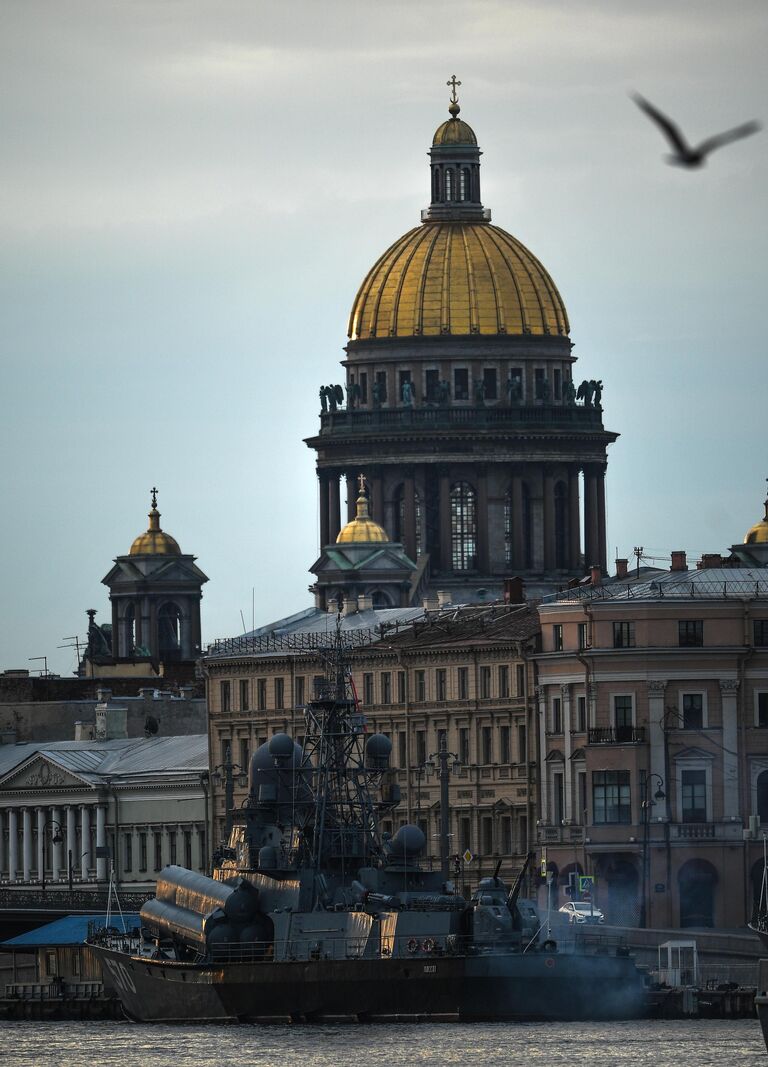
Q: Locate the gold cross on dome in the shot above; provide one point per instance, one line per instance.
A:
(361, 482)
(154, 493)
(453, 84)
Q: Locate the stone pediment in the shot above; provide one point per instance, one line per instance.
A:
(41, 774)
(692, 753)
(156, 569)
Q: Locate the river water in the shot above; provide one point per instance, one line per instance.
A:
(661, 1044)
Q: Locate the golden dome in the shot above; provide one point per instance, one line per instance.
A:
(457, 278)
(454, 131)
(362, 529)
(155, 542)
(758, 534)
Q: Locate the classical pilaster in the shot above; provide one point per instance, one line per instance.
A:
(26, 814)
(657, 741)
(565, 696)
(591, 522)
(601, 532)
(445, 521)
(409, 514)
(85, 840)
(483, 561)
(591, 706)
(541, 701)
(101, 840)
(377, 496)
(729, 688)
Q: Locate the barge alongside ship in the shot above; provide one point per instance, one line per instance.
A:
(314, 914)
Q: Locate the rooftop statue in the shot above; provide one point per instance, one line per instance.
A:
(514, 390)
(407, 394)
(569, 392)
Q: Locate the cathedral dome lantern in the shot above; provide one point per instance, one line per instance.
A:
(155, 541)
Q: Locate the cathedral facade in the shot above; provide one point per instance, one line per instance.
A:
(482, 457)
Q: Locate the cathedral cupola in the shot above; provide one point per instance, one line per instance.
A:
(455, 167)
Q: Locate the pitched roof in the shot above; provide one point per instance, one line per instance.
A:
(70, 930)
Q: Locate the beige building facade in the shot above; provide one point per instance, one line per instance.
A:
(462, 674)
(652, 719)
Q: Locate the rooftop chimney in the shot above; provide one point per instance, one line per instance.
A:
(596, 575)
(711, 559)
(350, 605)
(679, 562)
(514, 590)
(621, 568)
(365, 602)
(444, 598)
(430, 603)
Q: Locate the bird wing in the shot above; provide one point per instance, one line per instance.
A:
(735, 134)
(668, 127)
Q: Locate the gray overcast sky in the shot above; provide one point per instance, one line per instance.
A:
(191, 193)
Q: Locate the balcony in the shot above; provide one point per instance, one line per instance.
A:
(616, 735)
(406, 420)
(561, 835)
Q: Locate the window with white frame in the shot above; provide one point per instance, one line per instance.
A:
(694, 789)
(761, 708)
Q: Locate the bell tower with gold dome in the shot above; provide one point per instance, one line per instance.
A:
(155, 592)
(483, 458)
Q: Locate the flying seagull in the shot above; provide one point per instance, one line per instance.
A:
(685, 155)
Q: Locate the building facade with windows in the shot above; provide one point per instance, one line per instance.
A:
(653, 733)
(462, 674)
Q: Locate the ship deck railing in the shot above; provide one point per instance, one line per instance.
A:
(324, 946)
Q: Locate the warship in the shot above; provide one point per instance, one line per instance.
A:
(313, 914)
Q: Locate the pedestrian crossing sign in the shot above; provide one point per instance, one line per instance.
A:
(586, 883)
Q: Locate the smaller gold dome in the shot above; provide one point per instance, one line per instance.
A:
(454, 131)
(362, 529)
(155, 542)
(758, 534)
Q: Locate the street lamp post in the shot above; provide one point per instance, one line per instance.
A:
(443, 775)
(228, 771)
(56, 838)
(647, 804)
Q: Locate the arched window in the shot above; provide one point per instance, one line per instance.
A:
(463, 527)
(400, 517)
(449, 185)
(463, 184)
(130, 630)
(561, 526)
(169, 631)
(436, 185)
(508, 526)
(379, 599)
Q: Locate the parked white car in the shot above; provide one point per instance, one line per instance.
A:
(582, 911)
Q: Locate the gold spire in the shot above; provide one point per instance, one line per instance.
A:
(362, 529)
(155, 542)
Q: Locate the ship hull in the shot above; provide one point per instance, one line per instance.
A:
(535, 986)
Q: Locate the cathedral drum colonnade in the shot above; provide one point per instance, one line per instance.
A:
(462, 411)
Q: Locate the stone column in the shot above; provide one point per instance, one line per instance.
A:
(565, 696)
(116, 636)
(409, 515)
(334, 516)
(445, 521)
(601, 534)
(591, 706)
(27, 843)
(518, 530)
(483, 562)
(549, 519)
(657, 746)
(85, 840)
(591, 526)
(13, 844)
(543, 781)
(40, 817)
(185, 635)
(101, 840)
(352, 492)
(325, 514)
(377, 496)
(55, 823)
(729, 688)
(72, 853)
(574, 525)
